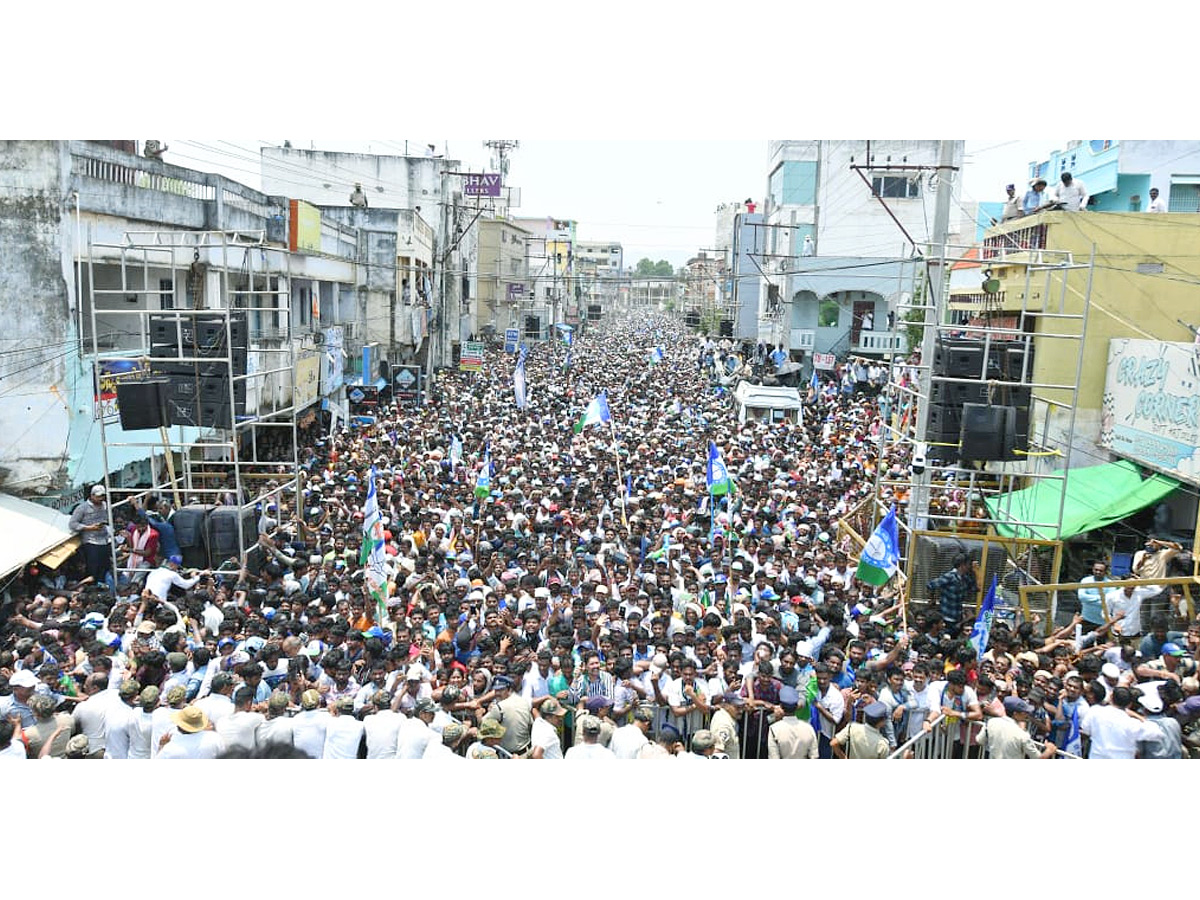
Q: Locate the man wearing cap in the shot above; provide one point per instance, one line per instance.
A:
(1012, 204)
(193, 737)
(629, 739)
(543, 740)
(1169, 742)
(600, 709)
(381, 726)
(863, 740)
(1035, 197)
(90, 522)
(490, 733)
(1007, 736)
(790, 737)
(415, 734)
(724, 723)
(442, 746)
(589, 746)
(23, 683)
(141, 724)
(515, 713)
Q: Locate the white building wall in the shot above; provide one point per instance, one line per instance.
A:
(851, 222)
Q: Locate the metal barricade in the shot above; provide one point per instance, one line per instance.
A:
(940, 742)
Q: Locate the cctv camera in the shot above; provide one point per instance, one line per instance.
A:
(918, 458)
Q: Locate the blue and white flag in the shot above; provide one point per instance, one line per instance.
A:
(656, 355)
(373, 557)
(519, 382)
(983, 622)
(456, 451)
(880, 558)
(1074, 742)
(717, 476)
(815, 382)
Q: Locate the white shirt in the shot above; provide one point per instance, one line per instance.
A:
(382, 730)
(1115, 734)
(534, 685)
(627, 741)
(140, 731)
(116, 731)
(544, 735)
(275, 731)
(240, 729)
(1130, 607)
(342, 737)
(160, 581)
(1157, 205)
(216, 707)
(412, 738)
(160, 724)
(920, 702)
(198, 745)
(90, 715)
(835, 705)
(308, 731)
(435, 749)
(590, 751)
(15, 750)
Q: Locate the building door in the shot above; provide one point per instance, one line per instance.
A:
(864, 319)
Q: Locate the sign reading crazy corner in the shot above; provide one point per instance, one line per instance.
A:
(1151, 411)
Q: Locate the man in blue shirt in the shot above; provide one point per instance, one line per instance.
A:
(1091, 603)
(954, 588)
(1035, 196)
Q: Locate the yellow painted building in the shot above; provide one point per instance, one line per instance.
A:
(1146, 276)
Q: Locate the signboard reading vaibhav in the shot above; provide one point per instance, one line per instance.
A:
(1151, 411)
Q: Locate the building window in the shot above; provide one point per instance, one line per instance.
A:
(1184, 198)
(166, 293)
(897, 187)
(828, 315)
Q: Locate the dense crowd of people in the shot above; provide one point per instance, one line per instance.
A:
(587, 597)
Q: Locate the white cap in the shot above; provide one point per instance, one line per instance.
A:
(1110, 670)
(415, 673)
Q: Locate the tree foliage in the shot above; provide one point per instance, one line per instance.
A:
(648, 269)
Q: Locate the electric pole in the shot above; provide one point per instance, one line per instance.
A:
(918, 510)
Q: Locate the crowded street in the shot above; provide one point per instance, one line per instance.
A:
(597, 562)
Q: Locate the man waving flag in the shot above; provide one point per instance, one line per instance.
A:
(483, 483)
(596, 413)
(373, 557)
(982, 629)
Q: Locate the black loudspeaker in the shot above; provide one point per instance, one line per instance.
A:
(692, 320)
(727, 328)
(221, 533)
(985, 429)
(142, 404)
(533, 326)
(958, 359)
(189, 523)
(201, 335)
(198, 413)
(595, 312)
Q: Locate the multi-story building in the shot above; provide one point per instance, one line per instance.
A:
(1142, 284)
(429, 186)
(833, 253)
(503, 278)
(597, 273)
(70, 212)
(1119, 174)
(551, 267)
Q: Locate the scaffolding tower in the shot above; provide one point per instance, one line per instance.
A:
(218, 464)
(1053, 312)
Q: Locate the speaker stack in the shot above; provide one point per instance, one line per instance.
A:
(989, 428)
(197, 392)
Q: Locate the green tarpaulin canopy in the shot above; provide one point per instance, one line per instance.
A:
(1096, 496)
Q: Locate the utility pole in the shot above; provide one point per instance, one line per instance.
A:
(918, 510)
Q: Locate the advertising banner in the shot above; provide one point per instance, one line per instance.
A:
(1151, 406)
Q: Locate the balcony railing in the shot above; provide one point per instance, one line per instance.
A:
(978, 298)
(881, 342)
(998, 246)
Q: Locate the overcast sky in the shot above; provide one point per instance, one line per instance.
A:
(656, 197)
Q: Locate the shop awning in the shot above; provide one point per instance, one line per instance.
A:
(31, 531)
(1096, 496)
